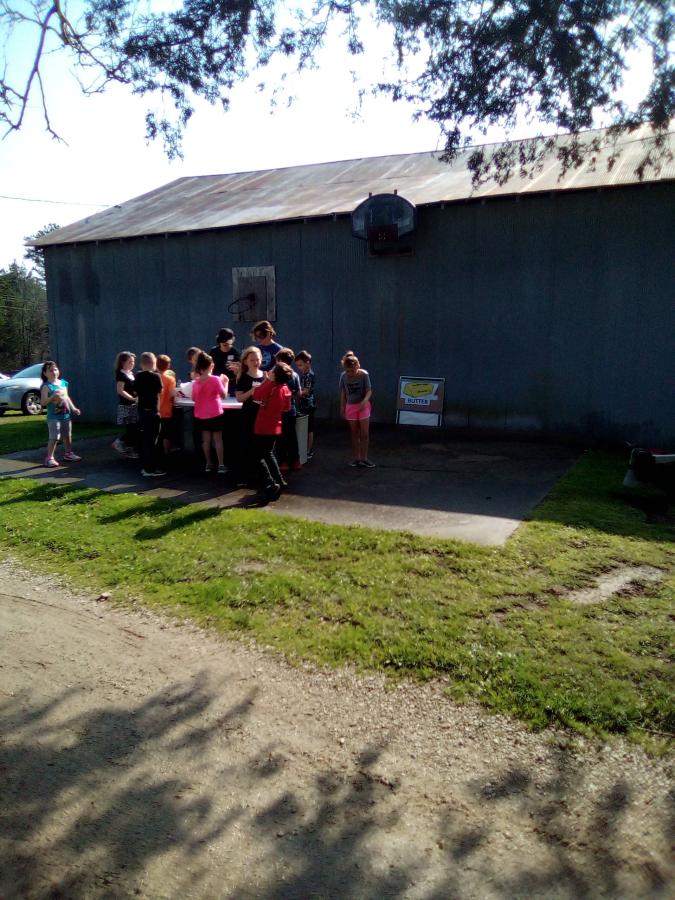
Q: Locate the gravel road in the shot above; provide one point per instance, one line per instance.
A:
(143, 758)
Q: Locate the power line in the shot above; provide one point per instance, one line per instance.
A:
(19, 302)
(20, 306)
(59, 202)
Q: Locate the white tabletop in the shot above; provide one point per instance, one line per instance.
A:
(227, 404)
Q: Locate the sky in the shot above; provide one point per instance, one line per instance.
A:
(105, 159)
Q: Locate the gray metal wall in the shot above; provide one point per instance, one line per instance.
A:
(552, 314)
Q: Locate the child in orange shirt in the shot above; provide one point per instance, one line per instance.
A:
(166, 401)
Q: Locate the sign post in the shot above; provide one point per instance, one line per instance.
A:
(420, 401)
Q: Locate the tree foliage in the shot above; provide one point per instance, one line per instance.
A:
(36, 255)
(23, 319)
(557, 63)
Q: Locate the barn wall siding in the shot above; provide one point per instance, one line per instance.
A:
(550, 314)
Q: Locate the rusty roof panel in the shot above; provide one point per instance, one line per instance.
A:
(223, 201)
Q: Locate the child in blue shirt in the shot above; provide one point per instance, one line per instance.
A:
(307, 402)
(289, 456)
(59, 406)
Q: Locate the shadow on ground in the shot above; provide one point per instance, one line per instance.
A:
(428, 484)
(92, 800)
(325, 492)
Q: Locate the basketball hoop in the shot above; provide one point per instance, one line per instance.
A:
(383, 218)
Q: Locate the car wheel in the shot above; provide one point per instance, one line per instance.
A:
(30, 404)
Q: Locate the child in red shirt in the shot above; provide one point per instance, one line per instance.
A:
(274, 397)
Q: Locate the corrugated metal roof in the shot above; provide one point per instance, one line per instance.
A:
(275, 195)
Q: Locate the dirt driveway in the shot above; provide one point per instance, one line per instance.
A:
(143, 759)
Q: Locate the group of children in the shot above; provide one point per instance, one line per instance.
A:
(259, 446)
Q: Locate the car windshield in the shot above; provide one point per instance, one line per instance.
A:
(30, 372)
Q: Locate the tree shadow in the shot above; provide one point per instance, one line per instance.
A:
(325, 845)
(583, 853)
(149, 533)
(339, 830)
(442, 473)
(45, 492)
(52, 762)
(658, 508)
(333, 847)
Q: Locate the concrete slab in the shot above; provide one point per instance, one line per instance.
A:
(425, 482)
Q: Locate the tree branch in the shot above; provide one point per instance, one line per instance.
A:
(44, 25)
(45, 112)
(482, 62)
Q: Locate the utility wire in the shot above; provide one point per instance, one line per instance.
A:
(20, 306)
(59, 202)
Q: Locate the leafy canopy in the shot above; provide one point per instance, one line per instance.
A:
(463, 64)
(36, 255)
(23, 318)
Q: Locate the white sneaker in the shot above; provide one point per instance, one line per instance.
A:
(51, 463)
(119, 446)
(155, 474)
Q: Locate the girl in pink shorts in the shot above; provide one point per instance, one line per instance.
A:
(355, 394)
(208, 392)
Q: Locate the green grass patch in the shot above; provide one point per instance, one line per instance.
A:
(494, 622)
(18, 432)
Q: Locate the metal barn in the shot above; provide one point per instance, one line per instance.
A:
(547, 304)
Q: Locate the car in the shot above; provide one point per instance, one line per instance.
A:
(22, 391)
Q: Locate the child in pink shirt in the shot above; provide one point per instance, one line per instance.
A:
(208, 391)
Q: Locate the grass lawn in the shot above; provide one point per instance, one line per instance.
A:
(18, 432)
(494, 623)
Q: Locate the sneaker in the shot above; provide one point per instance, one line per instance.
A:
(310, 454)
(283, 483)
(51, 463)
(272, 491)
(367, 464)
(208, 468)
(119, 446)
(131, 454)
(296, 466)
(146, 474)
(222, 470)
(354, 464)
(72, 457)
